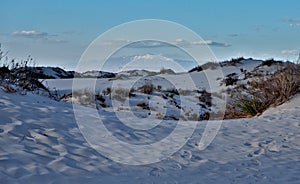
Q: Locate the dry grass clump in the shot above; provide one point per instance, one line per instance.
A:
(159, 115)
(147, 89)
(230, 79)
(208, 65)
(205, 98)
(263, 92)
(233, 61)
(166, 71)
(120, 94)
(270, 62)
(84, 97)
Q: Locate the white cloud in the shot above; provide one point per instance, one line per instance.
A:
(30, 34)
(293, 20)
(202, 42)
(289, 52)
(116, 42)
(152, 57)
(155, 44)
(294, 25)
(135, 44)
(38, 36)
(182, 42)
(210, 43)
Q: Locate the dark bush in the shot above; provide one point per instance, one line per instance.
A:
(147, 88)
(208, 65)
(230, 79)
(270, 62)
(268, 91)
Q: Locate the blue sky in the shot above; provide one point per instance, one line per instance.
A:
(57, 32)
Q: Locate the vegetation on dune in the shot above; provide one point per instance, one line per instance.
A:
(251, 93)
(19, 75)
(263, 92)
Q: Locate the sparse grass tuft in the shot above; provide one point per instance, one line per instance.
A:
(120, 94)
(147, 89)
(268, 91)
(208, 65)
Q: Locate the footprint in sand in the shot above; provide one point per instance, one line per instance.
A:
(254, 163)
(186, 154)
(256, 153)
(270, 145)
(156, 171)
(259, 152)
(247, 144)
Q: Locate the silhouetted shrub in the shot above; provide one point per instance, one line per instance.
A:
(208, 65)
(147, 88)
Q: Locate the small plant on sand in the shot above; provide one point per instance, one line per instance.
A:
(147, 88)
(208, 65)
(120, 94)
(263, 92)
(18, 75)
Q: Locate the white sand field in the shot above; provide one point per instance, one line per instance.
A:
(41, 143)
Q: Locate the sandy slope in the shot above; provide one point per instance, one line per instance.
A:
(41, 143)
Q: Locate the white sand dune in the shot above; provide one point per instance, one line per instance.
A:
(40, 143)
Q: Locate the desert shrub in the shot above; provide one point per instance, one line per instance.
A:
(4, 70)
(268, 91)
(232, 112)
(232, 62)
(100, 99)
(196, 69)
(249, 104)
(204, 116)
(159, 88)
(18, 75)
(171, 91)
(208, 65)
(8, 88)
(159, 115)
(143, 105)
(205, 97)
(107, 91)
(120, 94)
(147, 88)
(30, 84)
(230, 79)
(269, 62)
(166, 71)
(84, 97)
(278, 88)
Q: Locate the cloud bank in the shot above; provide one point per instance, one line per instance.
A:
(289, 52)
(294, 25)
(151, 57)
(37, 35)
(156, 44)
(293, 20)
(30, 34)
